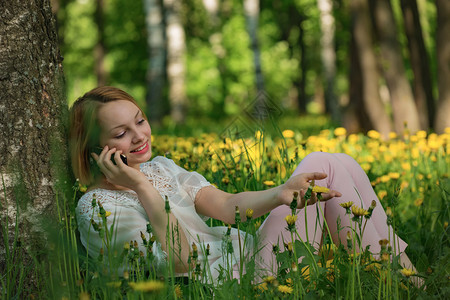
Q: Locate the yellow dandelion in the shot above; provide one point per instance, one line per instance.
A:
(290, 220)
(147, 286)
(381, 194)
(178, 291)
(262, 287)
(285, 289)
(392, 135)
(249, 213)
(407, 272)
(288, 133)
(340, 131)
(269, 183)
(84, 296)
(346, 204)
(384, 178)
(373, 134)
(359, 211)
(418, 202)
(320, 189)
(394, 175)
(107, 214)
(269, 279)
(289, 282)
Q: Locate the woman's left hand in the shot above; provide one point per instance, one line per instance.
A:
(300, 183)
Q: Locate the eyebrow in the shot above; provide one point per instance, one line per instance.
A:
(122, 125)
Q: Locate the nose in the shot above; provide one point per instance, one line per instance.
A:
(138, 136)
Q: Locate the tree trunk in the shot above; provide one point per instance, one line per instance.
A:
(403, 105)
(156, 76)
(176, 50)
(301, 82)
(100, 48)
(328, 57)
(443, 62)
(423, 92)
(33, 112)
(373, 105)
(251, 10)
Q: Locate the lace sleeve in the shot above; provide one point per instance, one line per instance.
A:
(127, 222)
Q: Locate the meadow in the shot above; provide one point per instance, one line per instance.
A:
(410, 175)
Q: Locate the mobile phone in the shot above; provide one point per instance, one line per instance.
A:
(123, 157)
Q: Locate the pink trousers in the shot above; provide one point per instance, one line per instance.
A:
(346, 176)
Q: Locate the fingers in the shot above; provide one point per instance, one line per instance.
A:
(314, 176)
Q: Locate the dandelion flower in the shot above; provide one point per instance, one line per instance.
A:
(290, 220)
(269, 183)
(107, 214)
(285, 289)
(320, 189)
(249, 213)
(340, 131)
(407, 272)
(178, 291)
(346, 204)
(288, 133)
(147, 286)
(269, 279)
(418, 202)
(359, 211)
(373, 134)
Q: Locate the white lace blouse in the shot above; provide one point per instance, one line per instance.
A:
(181, 188)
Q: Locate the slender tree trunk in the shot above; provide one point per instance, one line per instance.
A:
(423, 92)
(100, 48)
(33, 112)
(251, 10)
(362, 34)
(403, 105)
(156, 76)
(328, 57)
(443, 59)
(176, 50)
(301, 82)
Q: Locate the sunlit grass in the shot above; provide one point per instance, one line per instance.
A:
(409, 174)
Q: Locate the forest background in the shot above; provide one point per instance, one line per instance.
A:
(368, 64)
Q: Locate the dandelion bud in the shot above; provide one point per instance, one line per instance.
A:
(290, 220)
(294, 203)
(208, 250)
(152, 240)
(249, 213)
(289, 247)
(294, 267)
(126, 275)
(167, 205)
(95, 225)
(383, 243)
(126, 246)
(275, 249)
(194, 251)
(237, 215)
(389, 216)
(445, 225)
(371, 208)
(349, 240)
(141, 254)
(94, 200)
(135, 244)
(144, 239)
(228, 230)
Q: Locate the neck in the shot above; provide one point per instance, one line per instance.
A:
(102, 183)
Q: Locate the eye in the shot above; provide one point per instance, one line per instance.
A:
(120, 135)
(141, 121)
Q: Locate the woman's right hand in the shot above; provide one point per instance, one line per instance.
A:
(118, 174)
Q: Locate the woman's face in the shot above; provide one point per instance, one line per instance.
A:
(124, 127)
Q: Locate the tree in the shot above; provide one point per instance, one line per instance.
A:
(403, 106)
(156, 75)
(365, 55)
(443, 58)
(100, 48)
(422, 84)
(32, 114)
(328, 57)
(176, 49)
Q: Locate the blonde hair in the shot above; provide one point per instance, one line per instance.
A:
(85, 130)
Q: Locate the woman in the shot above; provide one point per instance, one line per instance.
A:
(107, 123)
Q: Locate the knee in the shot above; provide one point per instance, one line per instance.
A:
(318, 158)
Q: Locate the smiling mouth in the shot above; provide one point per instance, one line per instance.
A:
(140, 148)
